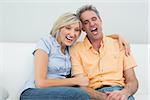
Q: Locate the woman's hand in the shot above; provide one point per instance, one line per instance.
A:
(125, 44)
(81, 80)
(122, 43)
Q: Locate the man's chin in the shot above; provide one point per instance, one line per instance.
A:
(96, 37)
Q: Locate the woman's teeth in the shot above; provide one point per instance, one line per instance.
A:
(69, 37)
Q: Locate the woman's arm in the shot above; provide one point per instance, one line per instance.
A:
(41, 63)
(122, 43)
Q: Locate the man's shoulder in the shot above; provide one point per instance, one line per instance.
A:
(111, 40)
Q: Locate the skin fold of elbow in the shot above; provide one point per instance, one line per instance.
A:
(40, 84)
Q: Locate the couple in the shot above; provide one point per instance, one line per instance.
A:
(101, 67)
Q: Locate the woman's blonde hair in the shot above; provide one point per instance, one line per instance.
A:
(64, 20)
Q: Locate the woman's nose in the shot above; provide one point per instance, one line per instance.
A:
(72, 33)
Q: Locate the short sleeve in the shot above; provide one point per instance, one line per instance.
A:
(44, 44)
(129, 62)
(77, 67)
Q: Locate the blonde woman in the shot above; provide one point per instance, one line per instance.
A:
(50, 80)
(52, 64)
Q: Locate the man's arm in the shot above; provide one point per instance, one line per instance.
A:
(131, 86)
(130, 81)
(94, 95)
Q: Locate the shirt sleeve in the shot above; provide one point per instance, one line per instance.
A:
(129, 62)
(77, 67)
(44, 44)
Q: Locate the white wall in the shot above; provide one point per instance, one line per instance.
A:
(148, 21)
(28, 20)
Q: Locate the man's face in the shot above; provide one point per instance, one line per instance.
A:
(92, 25)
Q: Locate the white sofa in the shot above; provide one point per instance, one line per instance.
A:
(16, 62)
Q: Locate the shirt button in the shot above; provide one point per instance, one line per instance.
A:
(115, 57)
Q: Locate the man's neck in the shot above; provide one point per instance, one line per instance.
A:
(96, 44)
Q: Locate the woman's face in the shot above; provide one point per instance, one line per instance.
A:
(69, 34)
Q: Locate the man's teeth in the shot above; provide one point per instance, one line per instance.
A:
(69, 37)
(93, 29)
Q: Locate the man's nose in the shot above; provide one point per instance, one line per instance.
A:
(91, 23)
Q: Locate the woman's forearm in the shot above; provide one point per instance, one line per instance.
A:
(56, 82)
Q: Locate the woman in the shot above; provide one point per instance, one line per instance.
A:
(52, 64)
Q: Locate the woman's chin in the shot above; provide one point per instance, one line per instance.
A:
(69, 43)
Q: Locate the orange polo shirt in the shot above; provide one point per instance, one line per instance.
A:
(104, 67)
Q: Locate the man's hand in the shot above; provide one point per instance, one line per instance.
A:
(94, 94)
(116, 95)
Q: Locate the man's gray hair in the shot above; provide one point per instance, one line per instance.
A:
(86, 8)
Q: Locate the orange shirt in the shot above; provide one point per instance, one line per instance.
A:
(103, 68)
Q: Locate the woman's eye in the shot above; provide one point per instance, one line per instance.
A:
(68, 28)
(77, 29)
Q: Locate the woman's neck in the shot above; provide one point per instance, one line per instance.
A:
(63, 49)
(63, 46)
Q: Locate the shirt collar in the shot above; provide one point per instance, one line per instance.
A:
(54, 41)
(88, 45)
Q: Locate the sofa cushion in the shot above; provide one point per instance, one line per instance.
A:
(3, 93)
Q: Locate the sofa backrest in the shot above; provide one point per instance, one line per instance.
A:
(16, 64)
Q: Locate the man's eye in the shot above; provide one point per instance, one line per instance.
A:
(85, 22)
(94, 18)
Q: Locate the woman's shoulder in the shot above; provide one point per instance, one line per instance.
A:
(48, 38)
(45, 43)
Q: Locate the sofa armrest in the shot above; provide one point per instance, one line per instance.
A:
(3, 94)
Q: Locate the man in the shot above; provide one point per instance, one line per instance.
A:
(110, 72)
